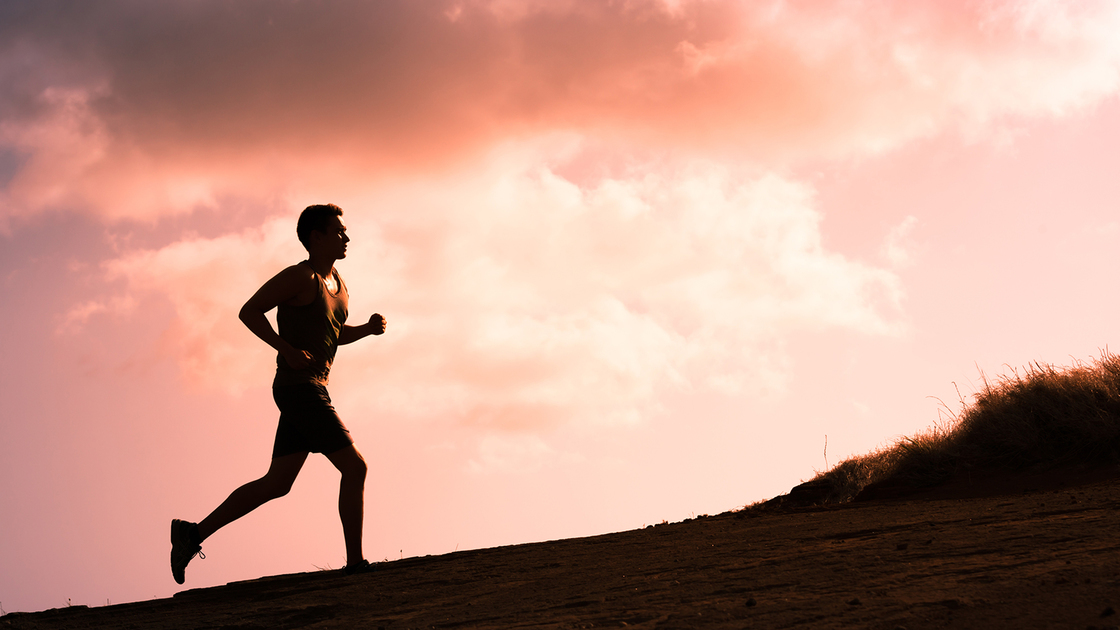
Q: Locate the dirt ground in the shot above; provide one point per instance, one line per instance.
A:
(1028, 557)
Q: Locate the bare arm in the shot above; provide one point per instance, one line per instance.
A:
(290, 286)
(350, 334)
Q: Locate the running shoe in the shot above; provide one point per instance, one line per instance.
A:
(182, 549)
(359, 567)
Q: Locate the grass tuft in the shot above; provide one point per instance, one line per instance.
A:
(1039, 418)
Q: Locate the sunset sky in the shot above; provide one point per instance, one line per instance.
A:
(640, 259)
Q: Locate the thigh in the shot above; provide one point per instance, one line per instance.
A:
(285, 469)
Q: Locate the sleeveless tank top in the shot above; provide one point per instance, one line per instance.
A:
(312, 327)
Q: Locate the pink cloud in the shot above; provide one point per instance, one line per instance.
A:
(206, 282)
(522, 291)
(518, 300)
(252, 95)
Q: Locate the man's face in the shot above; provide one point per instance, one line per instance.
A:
(332, 239)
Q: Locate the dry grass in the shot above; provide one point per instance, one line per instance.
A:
(1039, 418)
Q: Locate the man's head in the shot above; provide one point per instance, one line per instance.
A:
(315, 218)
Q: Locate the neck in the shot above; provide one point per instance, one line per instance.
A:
(322, 266)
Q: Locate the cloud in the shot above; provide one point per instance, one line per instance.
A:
(510, 454)
(518, 300)
(206, 281)
(573, 207)
(172, 105)
(78, 316)
(898, 248)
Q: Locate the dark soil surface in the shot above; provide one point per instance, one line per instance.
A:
(1017, 553)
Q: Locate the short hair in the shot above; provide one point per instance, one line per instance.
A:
(315, 218)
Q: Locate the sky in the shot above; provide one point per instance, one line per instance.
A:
(641, 260)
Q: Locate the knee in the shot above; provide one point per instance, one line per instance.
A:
(356, 470)
(360, 469)
(281, 490)
(275, 488)
(350, 463)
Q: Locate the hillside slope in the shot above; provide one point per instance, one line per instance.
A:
(1034, 559)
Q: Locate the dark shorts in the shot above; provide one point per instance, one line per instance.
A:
(308, 421)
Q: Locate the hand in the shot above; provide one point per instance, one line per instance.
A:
(377, 323)
(298, 359)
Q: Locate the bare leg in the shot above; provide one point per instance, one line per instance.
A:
(276, 483)
(351, 499)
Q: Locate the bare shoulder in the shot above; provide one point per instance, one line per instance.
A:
(294, 285)
(296, 273)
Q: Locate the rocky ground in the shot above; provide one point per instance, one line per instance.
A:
(1035, 553)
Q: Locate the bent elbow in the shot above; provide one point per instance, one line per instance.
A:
(246, 314)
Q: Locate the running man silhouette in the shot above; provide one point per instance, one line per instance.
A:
(311, 302)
